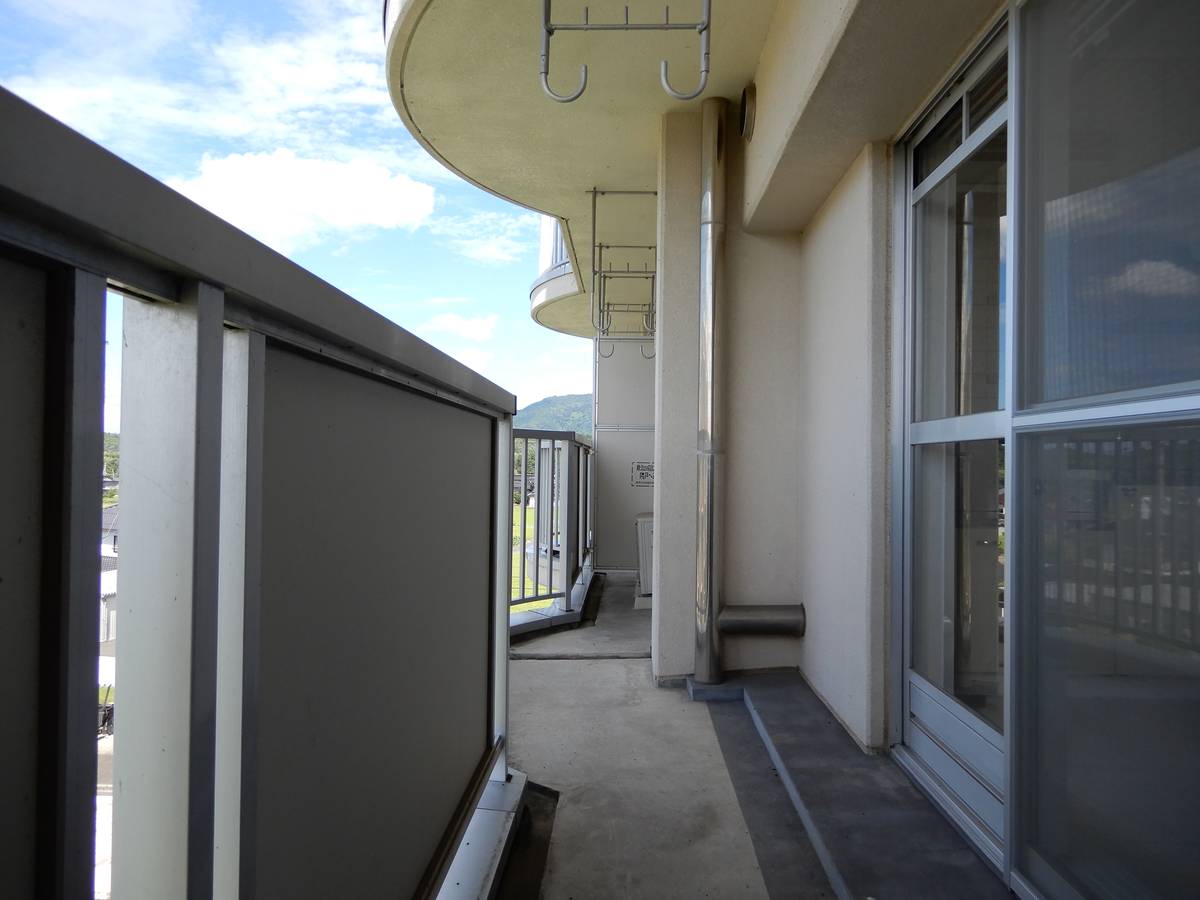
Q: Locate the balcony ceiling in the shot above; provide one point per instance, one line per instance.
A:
(463, 75)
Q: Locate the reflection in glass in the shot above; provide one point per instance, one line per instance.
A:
(933, 149)
(1112, 196)
(1111, 661)
(958, 577)
(961, 227)
(987, 95)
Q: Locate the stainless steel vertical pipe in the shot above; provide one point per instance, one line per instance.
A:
(710, 449)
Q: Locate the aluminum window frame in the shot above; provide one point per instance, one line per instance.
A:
(1017, 422)
(909, 433)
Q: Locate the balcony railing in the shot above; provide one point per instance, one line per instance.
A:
(558, 253)
(552, 537)
(559, 262)
(314, 520)
(391, 12)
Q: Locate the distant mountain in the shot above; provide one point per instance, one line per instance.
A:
(571, 412)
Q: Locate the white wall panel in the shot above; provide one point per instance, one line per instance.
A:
(625, 383)
(618, 502)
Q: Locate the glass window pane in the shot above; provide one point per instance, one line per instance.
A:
(1112, 196)
(941, 141)
(961, 228)
(1110, 662)
(958, 573)
(988, 93)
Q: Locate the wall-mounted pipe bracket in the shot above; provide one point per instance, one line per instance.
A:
(783, 619)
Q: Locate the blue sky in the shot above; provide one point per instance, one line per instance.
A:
(276, 117)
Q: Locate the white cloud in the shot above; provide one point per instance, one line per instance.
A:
(474, 358)
(318, 87)
(1155, 278)
(291, 202)
(562, 370)
(489, 237)
(477, 328)
(108, 104)
(148, 22)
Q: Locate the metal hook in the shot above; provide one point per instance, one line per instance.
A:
(704, 28)
(565, 98)
(610, 353)
(544, 66)
(642, 350)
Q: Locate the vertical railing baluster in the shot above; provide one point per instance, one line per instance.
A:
(1136, 571)
(1060, 524)
(1083, 538)
(580, 503)
(1123, 583)
(1193, 483)
(1173, 555)
(571, 559)
(553, 511)
(524, 497)
(537, 519)
(1115, 488)
(1158, 462)
(1095, 541)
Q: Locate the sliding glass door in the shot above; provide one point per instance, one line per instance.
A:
(955, 444)
(1050, 449)
(1108, 439)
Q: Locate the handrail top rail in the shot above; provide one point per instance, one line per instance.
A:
(54, 176)
(556, 270)
(573, 437)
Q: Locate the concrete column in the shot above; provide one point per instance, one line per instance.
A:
(170, 407)
(675, 379)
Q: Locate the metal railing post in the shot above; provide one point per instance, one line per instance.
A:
(571, 560)
(524, 508)
(562, 507)
(537, 519)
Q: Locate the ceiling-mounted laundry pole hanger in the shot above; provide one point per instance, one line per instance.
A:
(549, 27)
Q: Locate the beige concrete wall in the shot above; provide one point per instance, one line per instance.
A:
(834, 75)
(763, 366)
(675, 375)
(842, 447)
(803, 36)
(805, 320)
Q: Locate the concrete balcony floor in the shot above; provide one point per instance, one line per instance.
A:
(654, 800)
(660, 796)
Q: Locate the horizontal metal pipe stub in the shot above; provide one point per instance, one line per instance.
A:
(787, 619)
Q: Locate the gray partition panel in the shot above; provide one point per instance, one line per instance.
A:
(376, 588)
(22, 363)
